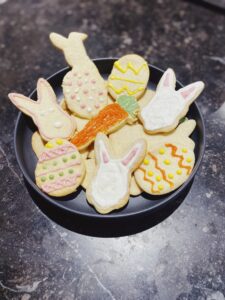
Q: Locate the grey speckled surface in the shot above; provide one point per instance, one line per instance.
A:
(181, 258)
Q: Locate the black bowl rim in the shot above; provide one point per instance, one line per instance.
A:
(114, 216)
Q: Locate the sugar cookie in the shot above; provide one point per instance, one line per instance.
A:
(60, 168)
(83, 87)
(109, 119)
(169, 161)
(168, 106)
(109, 188)
(52, 121)
(129, 76)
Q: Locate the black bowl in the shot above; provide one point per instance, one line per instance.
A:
(73, 211)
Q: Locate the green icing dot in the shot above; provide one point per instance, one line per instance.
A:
(61, 173)
(73, 156)
(44, 167)
(55, 163)
(71, 171)
(43, 179)
(64, 159)
(129, 104)
(51, 177)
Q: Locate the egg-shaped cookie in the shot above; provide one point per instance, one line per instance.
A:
(165, 167)
(60, 168)
(129, 76)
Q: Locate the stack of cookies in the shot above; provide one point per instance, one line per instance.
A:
(114, 138)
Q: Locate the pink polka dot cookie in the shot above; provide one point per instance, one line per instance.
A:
(85, 92)
(83, 87)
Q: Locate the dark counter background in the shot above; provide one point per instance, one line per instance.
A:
(181, 258)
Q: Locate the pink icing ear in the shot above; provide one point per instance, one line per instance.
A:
(190, 92)
(130, 159)
(186, 93)
(103, 153)
(105, 157)
(166, 82)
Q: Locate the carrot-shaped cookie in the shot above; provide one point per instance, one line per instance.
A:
(109, 119)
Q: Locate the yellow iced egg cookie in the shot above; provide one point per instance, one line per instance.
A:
(165, 167)
(129, 76)
(60, 168)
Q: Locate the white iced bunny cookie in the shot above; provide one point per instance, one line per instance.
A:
(83, 87)
(129, 76)
(168, 106)
(109, 188)
(52, 121)
(168, 162)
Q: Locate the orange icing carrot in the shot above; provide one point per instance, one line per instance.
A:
(109, 118)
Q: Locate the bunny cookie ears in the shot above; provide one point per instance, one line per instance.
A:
(168, 106)
(109, 188)
(51, 120)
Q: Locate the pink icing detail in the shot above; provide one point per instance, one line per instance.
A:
(100, 93)
(85, 92)
(52, 153)
(63, 168)
(186, 93)
(73, 97)
(60, 183)
(105, 157)
(82, 105)
(167, 80)
(79, 83)
(68, 83)
(130, 156)
(86, 73)
(93, 81)
(97, 105)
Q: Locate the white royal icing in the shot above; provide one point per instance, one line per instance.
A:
(57, 124)
(110, 184)
(163, 109)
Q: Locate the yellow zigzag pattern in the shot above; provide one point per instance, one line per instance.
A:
(125, 88)
(129, 66)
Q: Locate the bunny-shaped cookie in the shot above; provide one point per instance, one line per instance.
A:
(169, 161)
(83, 87)
(168, 106)
(109, 188)
(52, 121)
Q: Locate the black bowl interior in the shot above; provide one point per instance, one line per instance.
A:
(76, 203)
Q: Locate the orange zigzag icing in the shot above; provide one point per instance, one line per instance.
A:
(146, 179)
(161, 170)
(181, 158)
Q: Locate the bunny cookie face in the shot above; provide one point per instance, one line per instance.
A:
(60, 168)
(109, 189)
(129, 76)
(84, 88)
(165, 168)
(51, 120)
(168, 106)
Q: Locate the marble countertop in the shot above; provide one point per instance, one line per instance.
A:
(180, 258)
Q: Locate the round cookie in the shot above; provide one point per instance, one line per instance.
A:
(129, 76)
(60, 168)
(85, 91)
(165, 167)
